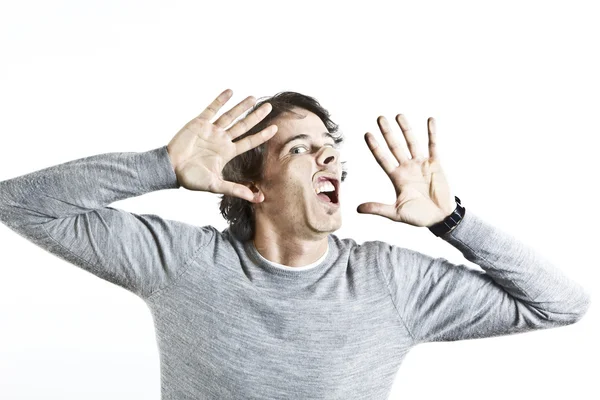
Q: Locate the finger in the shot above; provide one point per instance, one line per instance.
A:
(433, 153)
(238, 190)
(391, 140)
(385, 210)
(230, 116)
(381, 158)
(212, 109)
(255, 140)
(245, 124)
(411, 140)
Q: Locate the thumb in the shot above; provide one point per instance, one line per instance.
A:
(385, 210)
(239, 190)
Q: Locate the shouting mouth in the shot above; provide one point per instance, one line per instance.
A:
(327, 190)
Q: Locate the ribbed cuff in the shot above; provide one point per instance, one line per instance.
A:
(155, 170)
(468, 228)
(472, 233)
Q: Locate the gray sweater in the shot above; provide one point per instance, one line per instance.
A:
(230, 325)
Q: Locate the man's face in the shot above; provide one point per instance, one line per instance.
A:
(301, 159)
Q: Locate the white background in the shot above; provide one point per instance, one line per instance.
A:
(514, 88)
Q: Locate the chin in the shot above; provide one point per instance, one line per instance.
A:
(337, 226)
(330, 227)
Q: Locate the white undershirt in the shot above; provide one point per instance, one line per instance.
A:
(288, 268)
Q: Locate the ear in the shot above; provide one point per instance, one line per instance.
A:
(255, 189)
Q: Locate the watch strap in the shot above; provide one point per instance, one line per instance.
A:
(451, 221)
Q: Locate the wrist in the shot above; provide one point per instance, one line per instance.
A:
(171, 158)
(445, 213)
(449, 222)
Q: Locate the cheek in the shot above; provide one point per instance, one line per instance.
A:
(292, 179)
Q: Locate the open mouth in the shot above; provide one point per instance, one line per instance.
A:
(327, 190)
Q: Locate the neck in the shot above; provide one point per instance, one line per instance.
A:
(289, 250)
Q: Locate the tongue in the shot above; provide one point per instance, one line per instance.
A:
(324, 197)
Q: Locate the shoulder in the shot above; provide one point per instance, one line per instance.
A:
(386, 255)
(373, 250)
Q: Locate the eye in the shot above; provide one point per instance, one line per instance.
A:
(293, 150)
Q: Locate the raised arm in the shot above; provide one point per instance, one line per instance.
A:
(519, 291)
(437, 300)
(64, 208)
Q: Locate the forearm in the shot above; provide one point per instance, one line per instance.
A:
(523, 273)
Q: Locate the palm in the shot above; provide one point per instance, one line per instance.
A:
(201, 149)
(422, 191)
(210, 151)
(421, 186)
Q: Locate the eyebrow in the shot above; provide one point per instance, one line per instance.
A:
(305, 136)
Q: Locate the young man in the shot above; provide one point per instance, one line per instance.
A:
(276, 306)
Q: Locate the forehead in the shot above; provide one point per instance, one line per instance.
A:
(299, 122)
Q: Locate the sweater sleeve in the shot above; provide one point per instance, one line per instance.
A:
(518, 290)
(64, 210)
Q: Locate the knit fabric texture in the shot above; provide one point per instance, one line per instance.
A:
(231, 325)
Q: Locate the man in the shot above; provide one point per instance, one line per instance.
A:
(276, 306)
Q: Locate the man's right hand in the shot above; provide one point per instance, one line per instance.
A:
(200, 150)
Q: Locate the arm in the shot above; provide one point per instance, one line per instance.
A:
(437, 300)
(518, 291)
(63, 209)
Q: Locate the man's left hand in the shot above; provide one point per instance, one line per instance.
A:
(423, 194)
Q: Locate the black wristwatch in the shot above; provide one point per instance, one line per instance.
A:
(452, 220)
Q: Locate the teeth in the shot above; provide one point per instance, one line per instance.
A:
(324, 186)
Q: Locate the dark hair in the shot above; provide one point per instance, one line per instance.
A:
(249, 166)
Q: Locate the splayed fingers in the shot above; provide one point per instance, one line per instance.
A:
(228, 117)
(395, 146)
(214, 107)
(245, 124)
(382, 159)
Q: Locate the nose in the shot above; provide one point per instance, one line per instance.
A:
(327, 155)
